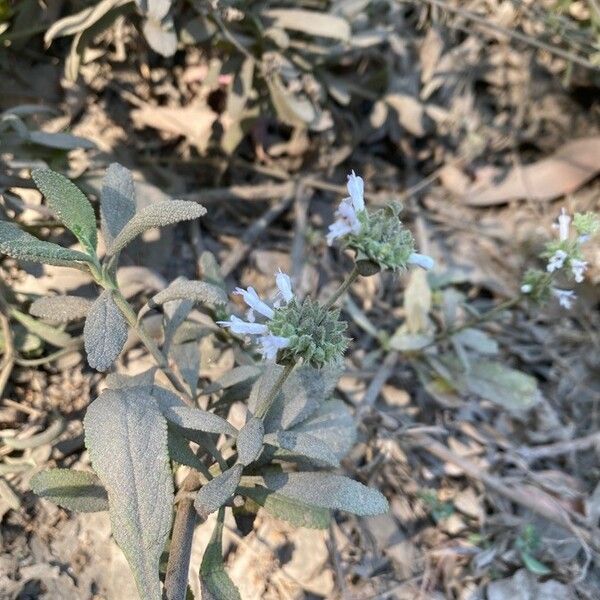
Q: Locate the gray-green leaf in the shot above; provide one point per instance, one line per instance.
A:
(104, 332)
(217, 491)
(126, 436)
(304, 445)
(158, 214)
(75, 490)
(198, 291)
(69, 204)
(214, 582)
(250, 441)
(60, 309)
(189, 417)
(328, 491)
(23, 246)
(117, 201)
(311, 22)
(294, 512)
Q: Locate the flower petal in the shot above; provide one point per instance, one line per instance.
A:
(241, 327)
(422, 260)
(270, 344)
(356, 189)
(338, 229)
(252, 299)
(284, 284)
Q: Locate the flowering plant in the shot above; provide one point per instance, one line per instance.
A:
(285, 457)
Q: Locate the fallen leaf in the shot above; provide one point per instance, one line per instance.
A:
(561, 173)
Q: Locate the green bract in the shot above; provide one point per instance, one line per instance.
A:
(586, 223)
(316, 334)
(537, 285)
(382, 239)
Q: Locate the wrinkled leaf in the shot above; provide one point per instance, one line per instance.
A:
(158, 214)
(305, 446)
(104, 332)
(117, 201)
(75, 490)
(198, 291)
(46, 332)
(187, 358)
(69, 204)
(214, 582)
(477, 340)
(237, 375)
(250, 441)
(217, 491)
(60, 309)
(189, 417)
(328, 491)
(126, 436)
(294, 512)
(21, 245)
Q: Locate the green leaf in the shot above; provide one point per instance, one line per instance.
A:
(190, 417)
(70, 205)
(294, 512)
(250, 441)
(513, 390)
(21, 245)
(534, 565)
(311, 22)
(198, 291)
(217, 491)
(214, 581)
(333, 424)
(46, 332)
(126, 436)
(158, 214)
(104, 332)
(304, 445)
(117, 201)
(75, 490)
(60, 309)
(326, 490)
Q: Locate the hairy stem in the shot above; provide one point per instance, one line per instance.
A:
(350, 279)
(267, 401)
(178, 566)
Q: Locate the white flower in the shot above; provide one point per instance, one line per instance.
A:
(564, 221)
(422, 260)
(565, 297)
(526, 288)
(557, 260)
(578, 268)
(347, 213)
(269, 343)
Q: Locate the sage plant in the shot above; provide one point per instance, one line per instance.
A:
(140, 429)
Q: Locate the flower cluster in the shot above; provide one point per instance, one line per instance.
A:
(377, 237)
(293, 329)
(564, 258)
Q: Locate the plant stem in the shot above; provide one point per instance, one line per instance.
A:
(265, 405)
(178, 566)
(343, 288)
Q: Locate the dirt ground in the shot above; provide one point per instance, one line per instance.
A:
(486, 126)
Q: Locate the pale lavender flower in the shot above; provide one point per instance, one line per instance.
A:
(564, 222)
(269, 343)
(557, 260)
(565, 297)
(347, 213)
(421, 260)
(578, 268)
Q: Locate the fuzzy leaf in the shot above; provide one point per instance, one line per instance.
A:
(217, 491)
(61, 309)
(69, 204)
(187, 358)
(250, 441)
(189, 417)
(179, 448)
(304, 445)
(52, 335)
(215, 584)
(104, 332)
(332, 424)
(75, 490)
(198, 291)
(160, 35)
(145, 379)
(63, 141)
(117, 201)
(303, 392)
(237, 375)
(293, 511)
(158, 214)
(328, 491)
(23, 246)
(311, 22)
(126, 436)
